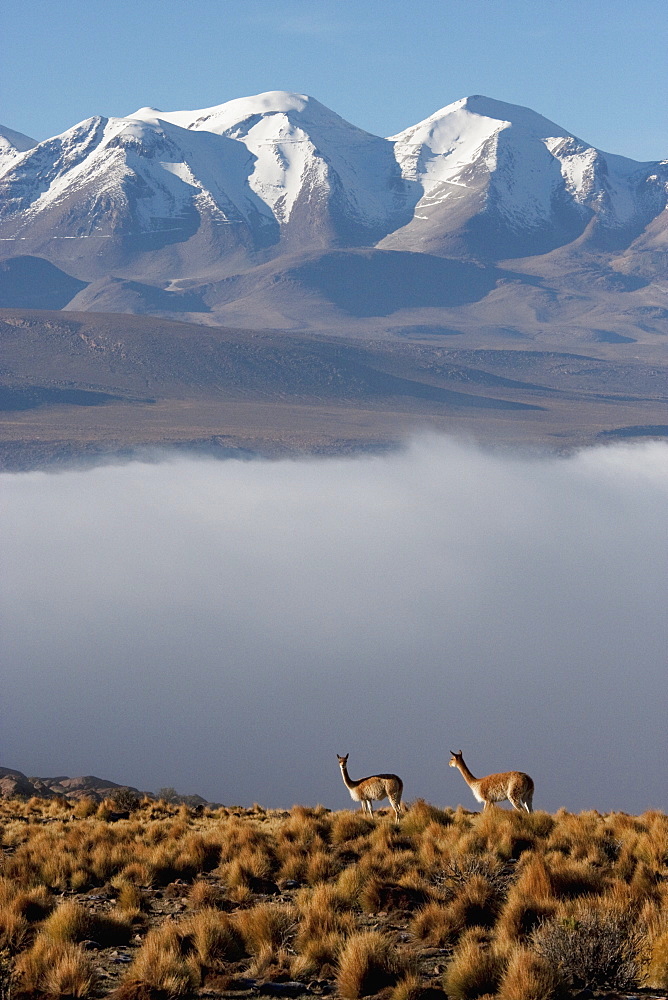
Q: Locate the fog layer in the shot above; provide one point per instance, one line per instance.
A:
(227, 627)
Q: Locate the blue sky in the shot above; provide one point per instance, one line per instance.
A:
(597, 67)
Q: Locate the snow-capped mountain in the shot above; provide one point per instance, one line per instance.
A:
(309, 164)
(505, 181)
(198, 210)
(11, 144)
(277, 167)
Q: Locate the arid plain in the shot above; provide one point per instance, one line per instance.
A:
(93, 385)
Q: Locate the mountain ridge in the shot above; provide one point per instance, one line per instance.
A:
(175, 213)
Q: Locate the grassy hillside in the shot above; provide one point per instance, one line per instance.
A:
(145, 899)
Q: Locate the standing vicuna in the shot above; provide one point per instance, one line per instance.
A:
(516, 786)
(377, 786)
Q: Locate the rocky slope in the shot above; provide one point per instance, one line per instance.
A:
(15, 784)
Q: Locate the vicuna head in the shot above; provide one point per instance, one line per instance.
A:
(456, 758)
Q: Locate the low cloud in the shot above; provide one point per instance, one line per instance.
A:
(228, 627)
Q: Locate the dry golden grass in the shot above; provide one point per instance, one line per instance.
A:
(409, 987)
(265, 925)
(161, 965)
(657, 964)
(215, 937)
(368, 963)
(436, 926)
(59, 968)
(13, 930)
(295, 895)
(475, 969)
(206, 895)
(528, 976)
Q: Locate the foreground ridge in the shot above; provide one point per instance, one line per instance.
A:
(308, 902)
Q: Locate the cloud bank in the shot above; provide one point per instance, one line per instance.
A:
(228, 627)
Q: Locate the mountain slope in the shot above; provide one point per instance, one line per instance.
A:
(501, 181)
(274, 211)
(316, 172)
(11, 144)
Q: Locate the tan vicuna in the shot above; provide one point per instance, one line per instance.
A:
(515, 786)
(377, 786)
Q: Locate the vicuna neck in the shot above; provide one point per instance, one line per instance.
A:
(346, 780)
(466, 774)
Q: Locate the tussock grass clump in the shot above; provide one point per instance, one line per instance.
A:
(137, 873)
(215, 937)
(502, 833)
(68, 922)
(349, 826)
(378, 894)
(72, 922)
(410, 987)
(206, 895)
(422, 815)
(351, 882)
(577, 878)
(265, 925)
(520, 917)
(657, 965)
(436, 925)
(84, 808)
(165, 963)
(33, 904)
(13, 930)
(317, 956)
(58, 968)
(528, 976)
(369, 962)
(271, 963)
(476, 903)
(321, 911)
(321, 866)
(130, 897)
(475, 969)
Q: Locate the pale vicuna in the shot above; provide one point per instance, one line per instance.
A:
(516, 786)
(377, 786)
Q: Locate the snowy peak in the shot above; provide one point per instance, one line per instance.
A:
(303, 154)
(523, 171)
(464, 134)
(12, 144)
(119, 178)
(496, 115)
(221, 118)
(17, 140)
(279, 172)
(512, 114)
